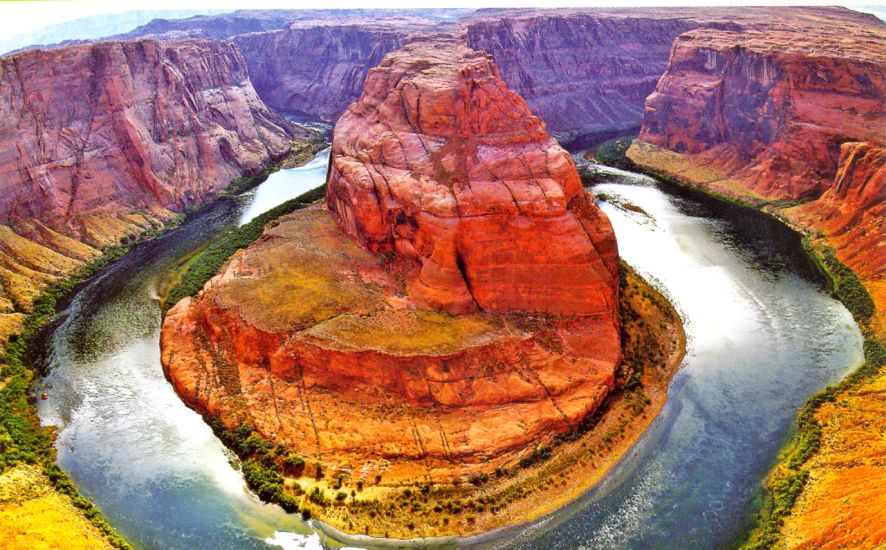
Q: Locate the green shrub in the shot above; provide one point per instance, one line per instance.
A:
(479, 479)
(614, 153)
(295, 465)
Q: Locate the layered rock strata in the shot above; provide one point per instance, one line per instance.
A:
(781, 117)
(851, 216)
(589, 71)
(103, 140)
(582, 72)
(439, 162)
(426, 328)
(318, 68)
(770, 111)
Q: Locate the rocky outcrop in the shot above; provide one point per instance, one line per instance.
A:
(852, 211)
(850, 216)
(103, 140)
(441, 163)
(770, 109)
(347, 370)
(445, 193)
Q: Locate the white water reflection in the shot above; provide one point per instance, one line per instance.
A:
(761, 339)
(284, 185)
(149, 462)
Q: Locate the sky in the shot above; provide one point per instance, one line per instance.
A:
(22, 17)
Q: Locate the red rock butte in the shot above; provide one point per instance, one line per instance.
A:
(441, 163)
(445, 196)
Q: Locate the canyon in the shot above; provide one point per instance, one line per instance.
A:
(156, 127)
(455, 305)
(776, 119)
(401, 298)
(792, 121)
(317, 69)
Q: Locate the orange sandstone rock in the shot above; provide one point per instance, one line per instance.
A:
(770, 107)
(341, 371)
(441, 163)
(850, 214)
(453, 308)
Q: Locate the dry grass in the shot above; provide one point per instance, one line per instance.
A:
(410, 332)
(10, 323)
(304, 279)
(34, 516)
(698, 172)
(842, 505)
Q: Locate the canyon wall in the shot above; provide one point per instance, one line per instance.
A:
(768, 110)
(850, 216)
(104, 140)
(851, 212)
(585, 72)
(316, 70)
(778, 116)
(582, 73)
(397, 348)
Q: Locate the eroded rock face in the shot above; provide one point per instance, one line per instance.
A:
(103, 140)
(441, 163)
(445, 193)
(115, 126)
(582, 72)
(347, 370)
(769, 108)
(852, 211)
(318, 68)
(780, 114)
(850, 215)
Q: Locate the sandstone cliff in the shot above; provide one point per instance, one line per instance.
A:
(770, 110)
(582, 72)
(457, 199)
(780, 116)
(850, 215)
(318, 68)
(852, 210)
(103, 140)
(441, 163)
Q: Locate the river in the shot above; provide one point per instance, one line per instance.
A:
(762, 336)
